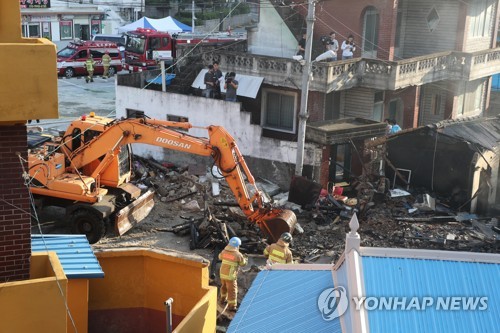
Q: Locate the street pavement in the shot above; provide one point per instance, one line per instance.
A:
(76, 97)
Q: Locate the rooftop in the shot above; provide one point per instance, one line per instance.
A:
(285, 301)
(74, 252)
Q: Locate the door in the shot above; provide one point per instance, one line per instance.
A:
(82, 31)
(332, 107)
(340, 163)
(396, 111)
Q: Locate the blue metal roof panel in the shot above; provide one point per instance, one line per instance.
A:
(74, 252)
(404, 277)
(285, 301)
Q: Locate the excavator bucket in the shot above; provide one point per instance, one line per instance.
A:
(134, 213)
(276, 222)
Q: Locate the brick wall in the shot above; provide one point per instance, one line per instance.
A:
(15, 225)
(316, 106)
(346, 17)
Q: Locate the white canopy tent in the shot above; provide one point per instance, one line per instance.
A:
(167, 24)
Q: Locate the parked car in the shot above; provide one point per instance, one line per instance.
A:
(71, 59)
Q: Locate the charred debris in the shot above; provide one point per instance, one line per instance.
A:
(389, 217)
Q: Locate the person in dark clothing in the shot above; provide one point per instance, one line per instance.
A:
(218, 76)
(209, 81)
(231, 85)
(302, 46)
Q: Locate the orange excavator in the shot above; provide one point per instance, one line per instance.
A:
(88, 171)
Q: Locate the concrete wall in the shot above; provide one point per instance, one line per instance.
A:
(272, 36)
(268, 158)
(36, 305)
(138, 281)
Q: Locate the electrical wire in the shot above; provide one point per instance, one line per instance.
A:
(35, 215)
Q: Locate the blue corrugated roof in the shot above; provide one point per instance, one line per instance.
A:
(75, 254)
(285, 301)
(430, 278)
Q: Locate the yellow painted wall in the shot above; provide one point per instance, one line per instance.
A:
(29, 71)
(78, 303)
(35, 305)
(147, 278)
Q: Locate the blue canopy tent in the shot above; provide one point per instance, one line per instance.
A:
(167, 24)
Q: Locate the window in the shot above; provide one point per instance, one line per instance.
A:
(471, 101)
(370, 32)
(480, 18)
(436, 104)
(378, 106)
(179, 119)
(432, 19)
(31, 30)
(131, 113)
(66, 28)
(95, 27)
(279, 108)
(154, 43)
(46, 30)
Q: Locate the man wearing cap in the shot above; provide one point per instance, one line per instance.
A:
(279, 252)
(232, 259)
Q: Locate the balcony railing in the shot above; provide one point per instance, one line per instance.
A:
(361, 72)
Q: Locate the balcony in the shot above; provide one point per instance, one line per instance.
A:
(360, 72)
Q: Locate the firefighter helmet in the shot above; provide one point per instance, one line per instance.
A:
(235, 241)
(286, 237)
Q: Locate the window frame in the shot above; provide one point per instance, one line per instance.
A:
(480, 16)
(263, 124)
(372, 52)
(66, 23)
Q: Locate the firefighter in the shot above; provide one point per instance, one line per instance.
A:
(231, 260)
(89, 64)
(106, 62)
(279, 252)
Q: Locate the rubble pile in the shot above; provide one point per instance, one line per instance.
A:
(388, 218)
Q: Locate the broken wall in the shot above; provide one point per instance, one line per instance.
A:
(439, 164)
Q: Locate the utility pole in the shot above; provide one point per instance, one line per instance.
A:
(306, 78)
(192, 18)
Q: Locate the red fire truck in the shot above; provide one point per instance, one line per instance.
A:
(145, 48)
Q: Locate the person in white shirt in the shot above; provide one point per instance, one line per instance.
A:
(332, 45)
(348, 48)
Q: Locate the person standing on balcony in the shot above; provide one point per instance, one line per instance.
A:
(394, 126)
(332, 45)
(302, 46)
(231, 85)
(209, 81)
(218, 77)
(348, 48)
(232, 259)
(89, 65)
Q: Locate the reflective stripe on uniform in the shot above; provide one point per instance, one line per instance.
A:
(277, 256)
(230, 263)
